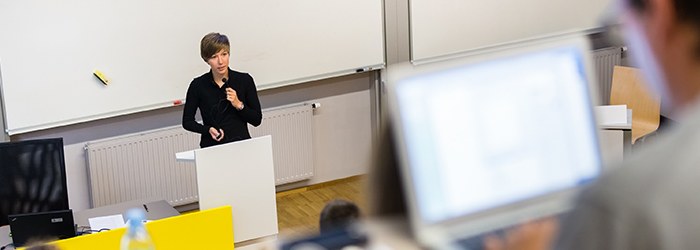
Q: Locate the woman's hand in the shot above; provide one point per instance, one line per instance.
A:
(233, 98)
(536, 235)
(216, 134)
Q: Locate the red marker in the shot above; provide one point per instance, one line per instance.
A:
(177, 102)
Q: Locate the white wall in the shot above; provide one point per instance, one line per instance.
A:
(76, 176)
(342, 137)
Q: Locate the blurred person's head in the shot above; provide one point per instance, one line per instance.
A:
(43, 247)
(664, 40)
(338, 214)
(40, 243)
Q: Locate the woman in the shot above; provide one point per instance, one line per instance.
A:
(227, 100)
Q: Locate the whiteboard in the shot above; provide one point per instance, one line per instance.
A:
(150, 51)
(444, 27)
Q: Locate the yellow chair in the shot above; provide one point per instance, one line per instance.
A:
(628, 88)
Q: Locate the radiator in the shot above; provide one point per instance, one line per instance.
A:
(292, 141)
(605, 60)
(143, 165)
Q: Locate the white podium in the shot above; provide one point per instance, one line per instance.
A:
(240, 174)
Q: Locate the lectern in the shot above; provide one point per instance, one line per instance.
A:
(240, 174)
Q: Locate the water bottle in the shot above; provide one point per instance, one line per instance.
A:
(136, 236)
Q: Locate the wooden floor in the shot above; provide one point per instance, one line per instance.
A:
(298, 210)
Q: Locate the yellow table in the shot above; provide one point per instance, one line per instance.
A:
(208, 229)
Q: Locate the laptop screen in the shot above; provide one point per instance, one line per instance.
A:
(481, 133)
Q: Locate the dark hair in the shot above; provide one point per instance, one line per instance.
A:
(212, 43)
(687, 10)
(637, 4)
(338, 214)
(43, 247)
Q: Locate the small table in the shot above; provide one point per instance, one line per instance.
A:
(616, 140)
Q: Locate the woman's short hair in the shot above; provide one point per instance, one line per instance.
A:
(212, 43)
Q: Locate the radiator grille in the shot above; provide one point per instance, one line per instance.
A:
(605, 60)
(143, 165)
(292, 142)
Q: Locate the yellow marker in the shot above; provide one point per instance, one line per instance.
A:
(101, 76)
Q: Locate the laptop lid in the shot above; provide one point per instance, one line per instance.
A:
(490, 140)
(41, 226)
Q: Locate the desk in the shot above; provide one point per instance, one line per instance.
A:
(615, 140)
(615, 145)
(157, 209)
(153, 209)
(5, 237)
(207, 229)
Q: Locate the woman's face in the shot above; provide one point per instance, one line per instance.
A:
(219, 62)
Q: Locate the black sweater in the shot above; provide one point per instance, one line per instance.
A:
(204, 94)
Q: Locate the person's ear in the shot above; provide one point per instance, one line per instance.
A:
(661, 20)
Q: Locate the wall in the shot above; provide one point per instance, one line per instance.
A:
(342, 138)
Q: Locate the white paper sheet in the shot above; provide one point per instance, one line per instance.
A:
(110, 222)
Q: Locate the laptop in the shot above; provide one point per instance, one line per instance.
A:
(44, 226)
(494, 138)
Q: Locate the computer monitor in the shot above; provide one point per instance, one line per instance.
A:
(32, 177)
(495, 138)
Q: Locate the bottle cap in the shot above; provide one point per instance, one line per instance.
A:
(135, 217)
